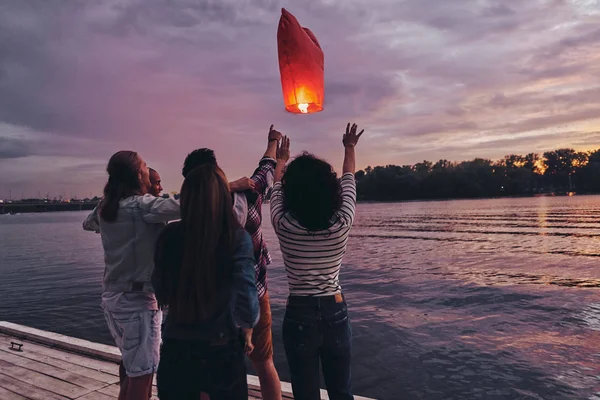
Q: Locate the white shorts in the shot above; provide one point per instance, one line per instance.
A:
(137, 335)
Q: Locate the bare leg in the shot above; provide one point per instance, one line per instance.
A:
(140, 387)
(270, 386)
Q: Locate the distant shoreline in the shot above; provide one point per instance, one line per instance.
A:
(26, 208)
(23, 208)
(516, 196)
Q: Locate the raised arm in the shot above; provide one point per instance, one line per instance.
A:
(274, 138)
(348, 182)
(262, 178)
(283, 155)
(350, 140)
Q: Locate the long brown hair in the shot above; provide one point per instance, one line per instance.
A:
(124, 179)
(209, 227)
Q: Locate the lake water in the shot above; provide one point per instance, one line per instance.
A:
(485, 299)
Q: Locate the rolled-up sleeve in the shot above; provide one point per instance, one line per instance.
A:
(263, 175)
(244, 281)
(159, 210)
(91, 222)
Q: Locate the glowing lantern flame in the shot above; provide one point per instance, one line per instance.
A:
(303, 107)
(301, 66)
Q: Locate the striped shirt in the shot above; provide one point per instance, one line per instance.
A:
(313, 259)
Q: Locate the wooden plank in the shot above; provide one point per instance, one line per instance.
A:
(8, 395)
(110, 390)
(96, 396)
(26, 390)
(102, 351)
(77, 359)
(51, 370)
(93, 356)
(286, 388)
(42, 381)
(91, 373)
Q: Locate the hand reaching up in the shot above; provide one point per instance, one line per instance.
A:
(351, 137)
(274, 135)
(283, 150)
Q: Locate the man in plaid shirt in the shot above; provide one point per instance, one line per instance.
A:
(248, 196)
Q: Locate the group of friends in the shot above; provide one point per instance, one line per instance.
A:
(202, 261)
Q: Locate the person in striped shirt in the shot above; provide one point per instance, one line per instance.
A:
(312, 212)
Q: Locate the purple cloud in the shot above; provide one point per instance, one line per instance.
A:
(427, 79)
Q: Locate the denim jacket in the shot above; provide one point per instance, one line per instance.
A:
(239, 300)
(129, 241)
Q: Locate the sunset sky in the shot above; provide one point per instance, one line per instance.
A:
(427, 79)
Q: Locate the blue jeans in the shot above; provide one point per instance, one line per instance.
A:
(188, 368)
(317, 330)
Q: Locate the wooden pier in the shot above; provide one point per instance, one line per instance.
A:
(41, 365)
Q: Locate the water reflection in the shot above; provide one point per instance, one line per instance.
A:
(543, 216)
(591, 315)
(494, 299)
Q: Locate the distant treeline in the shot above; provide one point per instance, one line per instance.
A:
(559, 171)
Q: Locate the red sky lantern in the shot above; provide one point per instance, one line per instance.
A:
(301, 66)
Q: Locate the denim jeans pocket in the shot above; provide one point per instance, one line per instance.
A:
(298, 334)
(129, 328)
(337, 329)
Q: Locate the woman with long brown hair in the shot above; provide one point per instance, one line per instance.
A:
(204, 273)
(129, 222)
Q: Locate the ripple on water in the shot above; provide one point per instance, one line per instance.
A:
(449, 300)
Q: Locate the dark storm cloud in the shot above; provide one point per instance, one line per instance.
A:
(13, 148)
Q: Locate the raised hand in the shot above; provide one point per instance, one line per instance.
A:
(274, 135)
(283, 150)
(351, 137)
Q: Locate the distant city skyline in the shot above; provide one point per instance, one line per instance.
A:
(427, 80)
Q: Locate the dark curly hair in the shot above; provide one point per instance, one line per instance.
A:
(312, 192)
(198, 158)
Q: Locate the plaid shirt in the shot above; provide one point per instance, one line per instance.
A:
(263, 179)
